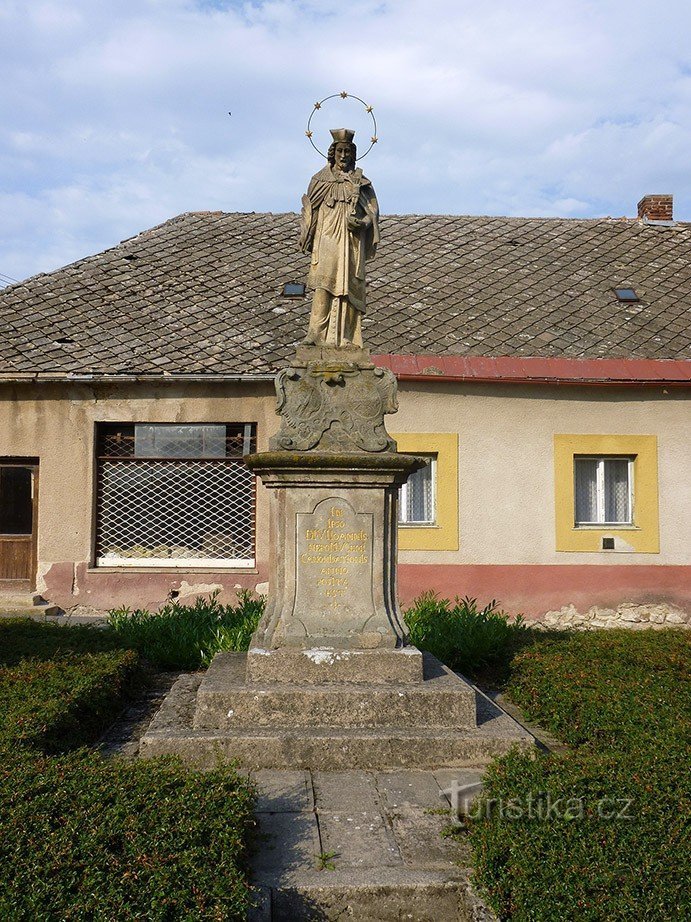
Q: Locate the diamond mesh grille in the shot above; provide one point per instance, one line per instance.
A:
(173, 511)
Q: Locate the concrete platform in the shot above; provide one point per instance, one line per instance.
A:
(227, 701)
(366, 846)
(290, 745)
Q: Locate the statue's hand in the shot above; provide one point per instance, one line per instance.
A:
(356, 224)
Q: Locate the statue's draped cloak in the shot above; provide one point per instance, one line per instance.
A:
(339, 254)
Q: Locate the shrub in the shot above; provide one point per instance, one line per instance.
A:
(615, 845)
(181, 636)
(21, 638)
(57, 704)
(461, 635)
(82, 839)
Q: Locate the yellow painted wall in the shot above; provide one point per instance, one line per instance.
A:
(506, 474)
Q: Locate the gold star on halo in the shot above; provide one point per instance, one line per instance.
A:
(369, 108)
(309, 134)
(374, 139)
(344, 95)
(317, 105)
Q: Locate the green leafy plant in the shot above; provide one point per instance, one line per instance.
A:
(460, 633)
(325, 861)
(85, 838)
(622, 701)
(179, 636)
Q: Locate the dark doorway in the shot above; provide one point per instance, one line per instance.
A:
(18, 523)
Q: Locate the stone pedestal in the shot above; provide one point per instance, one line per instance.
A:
(329, 681)
(333, 549)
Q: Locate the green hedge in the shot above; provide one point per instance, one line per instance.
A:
(82, 838)
(601, 831)
(54, 705)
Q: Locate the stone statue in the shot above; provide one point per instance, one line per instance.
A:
(340, 228)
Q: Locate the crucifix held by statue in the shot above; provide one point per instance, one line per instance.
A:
(340, 228)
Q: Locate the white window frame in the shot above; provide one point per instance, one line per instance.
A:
(403, 497)
(600, 504)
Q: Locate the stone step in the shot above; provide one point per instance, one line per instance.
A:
(226, 701)
(171, 732)
(26, 605)
(334, 665)
(384, 895)
(333, 750)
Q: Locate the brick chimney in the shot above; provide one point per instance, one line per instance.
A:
(656, 208)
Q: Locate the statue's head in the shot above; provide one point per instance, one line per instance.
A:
(342, 152)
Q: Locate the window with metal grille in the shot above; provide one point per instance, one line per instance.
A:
(603, 490)
(417, 498)
(173, 495)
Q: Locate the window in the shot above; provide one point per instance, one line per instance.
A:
(174, 495)
(428, 507)
(626, 295)
(603, 491)
(606, 486)
(417, 500)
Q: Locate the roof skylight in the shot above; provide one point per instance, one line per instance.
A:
(294, 290)
(626, 294)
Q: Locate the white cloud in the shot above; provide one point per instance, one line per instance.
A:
(116, 117)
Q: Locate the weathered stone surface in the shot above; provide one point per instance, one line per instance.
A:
(359, 838)
(626, 615)
(341, 791)
(371, 861)
(333, 549)
(334, 407)
(335, 666)
(225, 699)
(419, 834)
(288, 842)
(284, 791)
(410, 788)
(337, 750)
(387, 895)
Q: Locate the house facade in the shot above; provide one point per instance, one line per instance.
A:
(543, 370)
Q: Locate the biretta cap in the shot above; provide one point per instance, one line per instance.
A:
(342, 134)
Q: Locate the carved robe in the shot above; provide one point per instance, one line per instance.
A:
(339, 254)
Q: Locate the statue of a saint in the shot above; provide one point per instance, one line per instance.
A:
(340, 228)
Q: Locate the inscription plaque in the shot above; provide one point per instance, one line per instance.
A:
(334, 565)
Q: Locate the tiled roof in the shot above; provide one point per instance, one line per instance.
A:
(202, 294)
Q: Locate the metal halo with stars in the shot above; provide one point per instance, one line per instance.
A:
(342, 95)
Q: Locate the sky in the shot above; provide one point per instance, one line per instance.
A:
(116, 116)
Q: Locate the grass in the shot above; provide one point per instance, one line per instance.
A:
(83, 838)
(325, 861)
(600, 831)
(179, 636)
(462, 635)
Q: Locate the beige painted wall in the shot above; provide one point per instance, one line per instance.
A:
(506, 463)
(56, 423)
(506, 471)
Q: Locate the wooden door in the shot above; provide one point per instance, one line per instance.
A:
(18, 524)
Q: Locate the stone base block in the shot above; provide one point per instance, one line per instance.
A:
(332, 750)
(335, 666)
(226, 701)
(172, 732)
